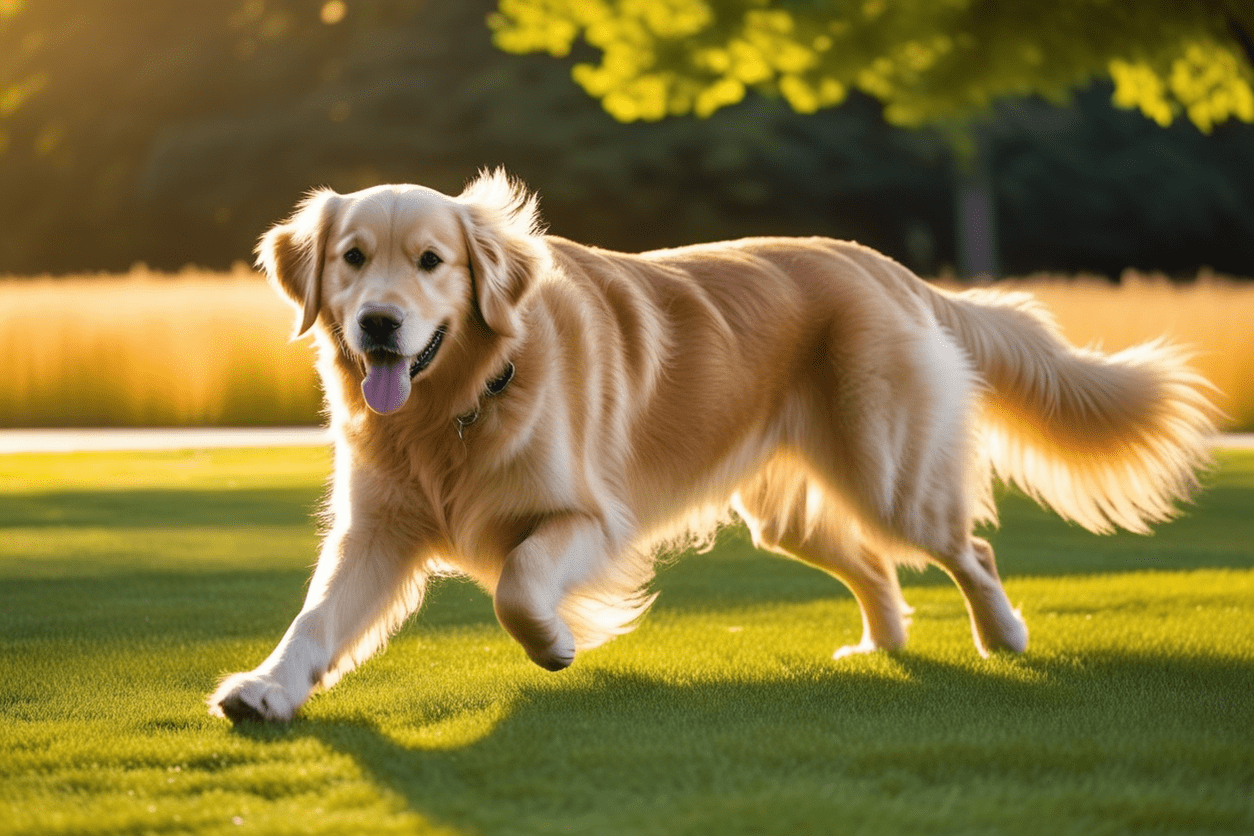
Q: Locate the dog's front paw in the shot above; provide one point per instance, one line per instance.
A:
(558, 654)
(252, 697)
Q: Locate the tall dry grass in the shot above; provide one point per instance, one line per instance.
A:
(1213, 314)
(147, 349)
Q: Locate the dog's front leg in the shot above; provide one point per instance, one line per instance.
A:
(558, 556)
(366, 582)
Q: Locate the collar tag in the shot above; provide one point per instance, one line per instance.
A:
(497, 386)
(464, 421)
(493, 388)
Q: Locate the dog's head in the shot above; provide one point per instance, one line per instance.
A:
(397, 271)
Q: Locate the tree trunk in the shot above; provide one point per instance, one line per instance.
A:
(976, 210)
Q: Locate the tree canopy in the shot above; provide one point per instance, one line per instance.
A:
(174, 133)
(927, 61)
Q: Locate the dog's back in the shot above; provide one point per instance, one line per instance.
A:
(721, 340)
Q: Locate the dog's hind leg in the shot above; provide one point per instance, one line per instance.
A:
(928, 512)
(903, 455)
(932, 516)
(873, 580)
(798, 524)
(995, 624)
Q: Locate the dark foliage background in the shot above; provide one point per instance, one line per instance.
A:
(174, 133)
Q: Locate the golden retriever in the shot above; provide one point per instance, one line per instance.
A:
(541, 415)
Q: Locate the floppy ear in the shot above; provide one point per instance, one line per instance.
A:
(502, 228)
(292, 254)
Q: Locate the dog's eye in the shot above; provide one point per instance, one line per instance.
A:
(355, 257)
(429, 260)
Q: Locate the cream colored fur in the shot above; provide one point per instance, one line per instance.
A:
(850, 413)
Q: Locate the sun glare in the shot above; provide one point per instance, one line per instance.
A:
(333, 11)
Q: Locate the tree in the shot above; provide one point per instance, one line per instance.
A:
(13, 91)
(929, 62)
(926, 60)
(201, 122)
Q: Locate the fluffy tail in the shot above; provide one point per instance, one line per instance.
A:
(1103, 440)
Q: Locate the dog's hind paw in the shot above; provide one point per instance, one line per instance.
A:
(1011, 636)
(862, 647)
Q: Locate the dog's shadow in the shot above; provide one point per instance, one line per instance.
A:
(696, 753)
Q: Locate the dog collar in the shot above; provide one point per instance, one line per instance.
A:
(494, 387)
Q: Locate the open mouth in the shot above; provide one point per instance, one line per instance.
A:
(425, 356)
(388, 374)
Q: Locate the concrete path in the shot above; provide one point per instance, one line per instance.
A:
(72, 441)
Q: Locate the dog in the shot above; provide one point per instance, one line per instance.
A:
(543, 416)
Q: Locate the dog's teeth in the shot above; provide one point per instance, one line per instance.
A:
(425, 356)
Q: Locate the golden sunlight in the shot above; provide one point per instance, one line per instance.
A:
(333, 11)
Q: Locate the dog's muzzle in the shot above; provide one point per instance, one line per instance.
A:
(389, 373)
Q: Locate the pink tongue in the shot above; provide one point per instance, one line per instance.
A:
(386, 386)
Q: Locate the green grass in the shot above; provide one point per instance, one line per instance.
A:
(130, 582)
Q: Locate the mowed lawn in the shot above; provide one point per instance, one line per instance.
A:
(130, 582)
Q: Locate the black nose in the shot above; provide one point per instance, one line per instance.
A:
(379, 322)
